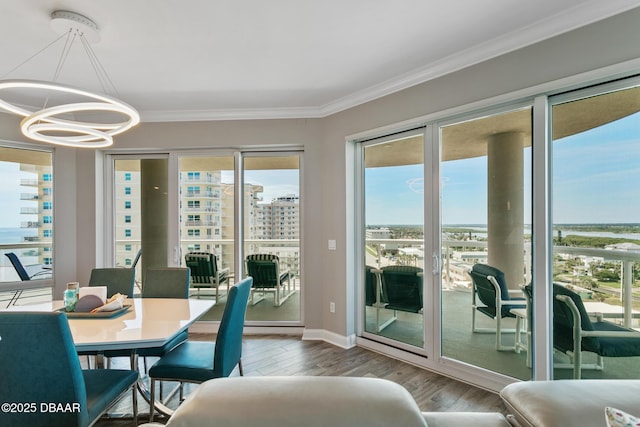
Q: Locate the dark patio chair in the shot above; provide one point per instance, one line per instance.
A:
(28, 272)
(402, 287)
(490, 287)
(268, 276)
(574, 332)
(375, 296)
(205, 272)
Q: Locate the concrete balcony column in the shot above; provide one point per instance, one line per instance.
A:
(505, 204)
(154, 206)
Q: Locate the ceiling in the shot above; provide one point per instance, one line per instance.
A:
(232, 59)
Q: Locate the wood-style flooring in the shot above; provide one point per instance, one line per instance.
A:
(273, 355)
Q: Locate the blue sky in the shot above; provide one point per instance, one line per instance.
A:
(596, 180)
(278, 182)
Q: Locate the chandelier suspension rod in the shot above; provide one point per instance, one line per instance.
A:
(32, 56)
(101, 72)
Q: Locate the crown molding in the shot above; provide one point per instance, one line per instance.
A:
(570, 19)
(230, 114)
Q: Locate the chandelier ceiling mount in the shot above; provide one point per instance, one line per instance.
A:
(83, 118)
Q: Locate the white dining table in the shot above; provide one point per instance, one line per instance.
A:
(149, 322)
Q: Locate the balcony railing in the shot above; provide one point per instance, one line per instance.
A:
(201, 223)
(29, 253)
(458, 256)
(203, 194)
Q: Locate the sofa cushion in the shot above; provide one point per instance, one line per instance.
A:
(569, 403)
(298, 401)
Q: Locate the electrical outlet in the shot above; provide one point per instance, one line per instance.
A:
(332, 307)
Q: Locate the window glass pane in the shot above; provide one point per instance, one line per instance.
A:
(272, 229)
(394, 236)
(127, 225)
(486, 221)
(596, 228)
(26, 217)
(207, 220)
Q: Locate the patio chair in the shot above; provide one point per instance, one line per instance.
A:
(574, 332)
(267, 276)
(134, 264)
(199, 361)
(205, 272)
(402, 287)
(496, 302)
(375, 296)
(25, 273)
(39, 363)
(28, 272)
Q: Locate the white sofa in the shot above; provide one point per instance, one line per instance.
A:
(569, 403)
(371, 402)
(313, 402)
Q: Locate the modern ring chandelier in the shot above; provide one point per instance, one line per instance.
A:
(62, 123)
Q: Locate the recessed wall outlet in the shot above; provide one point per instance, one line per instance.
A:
(332, 307)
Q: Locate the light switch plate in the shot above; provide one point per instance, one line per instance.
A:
(332, 245)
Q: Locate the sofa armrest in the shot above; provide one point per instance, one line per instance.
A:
(298, 401)
(569, 403)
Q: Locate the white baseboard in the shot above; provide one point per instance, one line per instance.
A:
(212, 328)
(330, 337)
(307, 334)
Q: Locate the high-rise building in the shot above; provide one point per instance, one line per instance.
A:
(42, 209)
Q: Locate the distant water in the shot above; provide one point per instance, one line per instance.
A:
(480, 230)
(16, 235)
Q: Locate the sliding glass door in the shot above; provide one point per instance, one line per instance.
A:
(486, 193)
(271, 234)
(195, 200)
(393, 246)
(596, 228)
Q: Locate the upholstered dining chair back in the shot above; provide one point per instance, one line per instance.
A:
(39, 363)
(166, 282)
(160, 283)
(117, 280)
(228, 347)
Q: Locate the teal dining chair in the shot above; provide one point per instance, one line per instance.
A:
(199, 361)
(160, 282)
(39, 363)
(117, 280)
